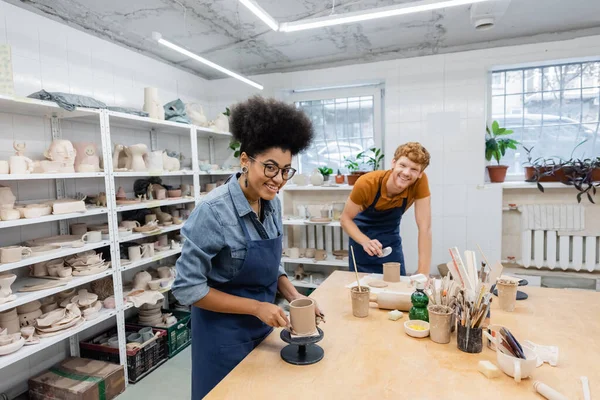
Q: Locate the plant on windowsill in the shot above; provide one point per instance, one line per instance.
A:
(372, 157)
(352, 166)
(325, 171)
(584, 175)
(495, 147)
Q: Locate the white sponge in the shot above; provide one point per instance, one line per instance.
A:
(395, 315)
(488, 369)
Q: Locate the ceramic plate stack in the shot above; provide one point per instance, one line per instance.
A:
(9, 343)
(151, 314)
(57, 321)
(88, 304)
(87, 263)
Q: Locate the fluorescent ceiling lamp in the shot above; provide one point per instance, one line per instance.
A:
(382, 12)
(261, 14)
(158, 37)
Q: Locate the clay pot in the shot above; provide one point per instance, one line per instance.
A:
(27, 319)
(130, 224)
(9, 320)
(497, 173)
(440, 323)
(339, 179)
(391, 272)
(5, 281)
(7, 198)
(302, 316)
(164, 273)
(353, 177)
(360, 301)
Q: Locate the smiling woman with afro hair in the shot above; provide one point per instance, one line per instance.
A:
(230, 265)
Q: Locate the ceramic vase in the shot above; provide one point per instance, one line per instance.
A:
(170, 163)
(86, 159)
(316, 179)
(137, 157)
(152, 104)
(196, 114)
(221, 123)
(5, 281)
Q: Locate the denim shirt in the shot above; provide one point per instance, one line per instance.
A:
(215, 245)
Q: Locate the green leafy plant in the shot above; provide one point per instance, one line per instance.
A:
(227, 111)
(372, 157)
(325, 171)
(235, 146)
(351, 163)
(496, 144)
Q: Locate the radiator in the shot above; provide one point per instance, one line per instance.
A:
(556, 237)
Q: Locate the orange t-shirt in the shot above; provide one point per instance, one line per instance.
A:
(365, 190)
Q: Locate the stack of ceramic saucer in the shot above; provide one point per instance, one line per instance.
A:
(57, 321)
(87, 263)
(88, 304)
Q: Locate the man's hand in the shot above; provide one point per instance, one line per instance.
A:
(373, 247)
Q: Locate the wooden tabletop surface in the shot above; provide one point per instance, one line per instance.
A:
(372, 358)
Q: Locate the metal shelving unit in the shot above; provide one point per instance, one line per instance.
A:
(105, 120)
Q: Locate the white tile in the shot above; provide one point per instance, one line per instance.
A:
(81, 80)
(434, 131)
(22, 35)
(437, 199)
(435, 170)
(27, 75)
(55, 78)
(455, 233)
(460, 167)
(484, 200)
(409, 104)
(482, 233)
(432, 102)
(53, 45)
(456, 100)
(3, 38)
(439, 254)
(477, 100)
(455, 200)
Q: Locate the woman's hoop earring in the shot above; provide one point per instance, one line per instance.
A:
(245, 172)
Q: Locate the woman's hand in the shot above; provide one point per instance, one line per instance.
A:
(373, 247)
(271, 315)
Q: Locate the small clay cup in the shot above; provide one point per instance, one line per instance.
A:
(320, 255)
(507, 294)
(302, 316)
(440, 323)
(391, 272)
(360, 301)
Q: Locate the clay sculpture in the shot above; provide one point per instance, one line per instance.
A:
(87, 159)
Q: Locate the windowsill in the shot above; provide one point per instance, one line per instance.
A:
(532, 185)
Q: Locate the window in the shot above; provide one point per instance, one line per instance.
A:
(344, 127)
(554, 109)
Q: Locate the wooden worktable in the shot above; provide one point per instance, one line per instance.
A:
(372, 358)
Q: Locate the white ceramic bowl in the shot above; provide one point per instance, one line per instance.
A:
(416, 333)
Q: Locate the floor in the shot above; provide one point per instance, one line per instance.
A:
(172, 380)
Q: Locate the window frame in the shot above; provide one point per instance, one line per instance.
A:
(377, 91)
(533, 66)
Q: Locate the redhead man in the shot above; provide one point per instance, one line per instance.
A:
(379, 199)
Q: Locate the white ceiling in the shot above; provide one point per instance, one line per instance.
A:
(225, 32)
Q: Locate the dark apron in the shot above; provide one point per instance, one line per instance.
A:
(219, 340)
(383, 226)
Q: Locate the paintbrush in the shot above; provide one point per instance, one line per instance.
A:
(356, 270)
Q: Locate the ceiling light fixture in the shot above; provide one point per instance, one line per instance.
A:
(381, 12)
(158, 37)
(261, 14)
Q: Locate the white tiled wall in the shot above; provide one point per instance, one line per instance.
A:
(440, 101)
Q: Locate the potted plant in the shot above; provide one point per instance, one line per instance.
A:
(541, 169)
(580, 174)
(325, 171)
(339, 178)
(352, 166)
(372, 158)
(495, 147)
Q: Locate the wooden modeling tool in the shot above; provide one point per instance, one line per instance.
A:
(355, 270)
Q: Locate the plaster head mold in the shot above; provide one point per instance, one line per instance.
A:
(61, 158)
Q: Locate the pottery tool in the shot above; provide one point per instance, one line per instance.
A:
(548, 392)
(355, 270)
(385, 252)
(586, 388)
(468, 284)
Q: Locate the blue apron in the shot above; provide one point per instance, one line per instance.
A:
(383, 226)
(219, 340)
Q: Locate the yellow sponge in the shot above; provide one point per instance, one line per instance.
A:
(488, 369)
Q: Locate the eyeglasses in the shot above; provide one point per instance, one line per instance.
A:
(271, 170)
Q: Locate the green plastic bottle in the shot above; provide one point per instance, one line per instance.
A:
(419, 301)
